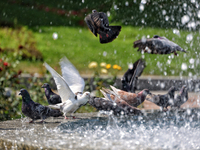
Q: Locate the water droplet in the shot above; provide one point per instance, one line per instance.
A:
(189, 37)
(169, 61)
(190, 74)
(141, 7)
(164, 12)
(143, 39)
(55, 36)
(130, 66)
(176, 31)
(162, 85)
(198, 14)
(115, 7)
(108, 13)
(104, 53)
(191, 60)
(185, 19)
(191, 25)
(143, 1)
(126, 3)
(184, 66)
(166, 18)
(185, 5)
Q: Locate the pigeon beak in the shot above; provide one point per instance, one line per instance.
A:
(42, 86)
(19, 93)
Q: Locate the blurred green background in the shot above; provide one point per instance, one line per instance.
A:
(28, 26)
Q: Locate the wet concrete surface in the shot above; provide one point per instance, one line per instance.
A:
(13, 133)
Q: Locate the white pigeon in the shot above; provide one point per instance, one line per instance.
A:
(70, 87)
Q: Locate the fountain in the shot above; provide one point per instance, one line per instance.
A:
(155, 129)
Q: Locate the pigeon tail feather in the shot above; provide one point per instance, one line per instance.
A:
(114, 89)
(109, 36)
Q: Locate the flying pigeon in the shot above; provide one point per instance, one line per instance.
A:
(163, 100)
(98, 23)
(70, 87)
(110, 105)
(181, 98)
(35, 110)
(52, 97)
(132, 99)
(129, 79)
(157, 45)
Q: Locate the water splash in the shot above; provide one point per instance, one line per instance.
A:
(155, 130)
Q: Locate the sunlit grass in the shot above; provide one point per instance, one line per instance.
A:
(81, 47)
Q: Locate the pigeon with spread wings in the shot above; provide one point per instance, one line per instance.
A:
(157, 45)
(70, 87)
(98, 23)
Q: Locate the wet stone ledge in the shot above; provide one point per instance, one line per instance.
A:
(152, 83)
(99, 131)
(19, 134)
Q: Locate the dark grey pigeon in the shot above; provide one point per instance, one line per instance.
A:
(35, 110)
(129, 79)
(109, 105)
(98, 23)
(181, 98)
(157, 45)
(163, 100)
(52, 97)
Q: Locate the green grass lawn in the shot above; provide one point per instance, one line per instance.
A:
(81, 47)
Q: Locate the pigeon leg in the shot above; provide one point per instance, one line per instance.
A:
(74, 117)
(66, 117)
(32, 121)
(165, 110)
(42, 121)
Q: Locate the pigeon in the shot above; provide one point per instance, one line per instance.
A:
(163, 100)
(35, 110)
(110, 105)
(157, 45)
(52, 97)
(181, 98)
(98, 23)
(70, 88)
(129, 79)
(132, 99)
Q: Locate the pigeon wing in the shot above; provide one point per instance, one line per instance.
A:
(103, 16)
(63, 89)
(153, 44)
(72, 76)
(90, 24)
